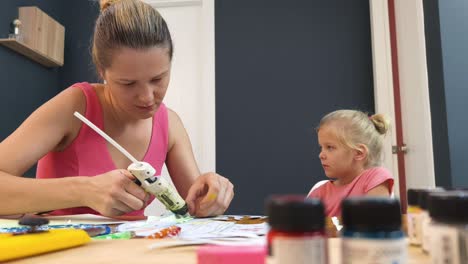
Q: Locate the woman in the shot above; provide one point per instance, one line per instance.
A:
(78, 172)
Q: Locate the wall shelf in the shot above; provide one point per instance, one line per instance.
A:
(42, 38)
(30, 52)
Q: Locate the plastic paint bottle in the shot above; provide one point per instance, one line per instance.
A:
(372, 232)
(297, 230)
(414, 217)
(425, 218)
(449, 227)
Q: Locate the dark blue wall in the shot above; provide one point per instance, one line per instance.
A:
(79, 22)
(449, 61)
(454, 35)
(440, 142)
(280, 66)
(26, 84)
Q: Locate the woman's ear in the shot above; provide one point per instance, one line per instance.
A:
(361, 152)
(102, 75)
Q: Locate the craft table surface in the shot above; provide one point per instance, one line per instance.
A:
(137, 251)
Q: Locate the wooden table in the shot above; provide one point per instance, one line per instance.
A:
(137, 251)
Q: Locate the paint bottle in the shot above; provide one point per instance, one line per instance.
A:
(297, 230)
(372, 232)
(425, 218)
(449, 227)
(414, 217)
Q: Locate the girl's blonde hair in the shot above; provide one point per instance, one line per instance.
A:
(355, 127)
(127, 23)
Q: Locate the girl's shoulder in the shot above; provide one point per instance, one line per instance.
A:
(376, 172)
(319, 189)
(375, 176)
(317, 186)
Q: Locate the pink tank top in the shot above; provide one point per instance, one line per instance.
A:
(332, 195)
(87, 155)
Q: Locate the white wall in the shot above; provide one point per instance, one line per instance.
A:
(191, 91)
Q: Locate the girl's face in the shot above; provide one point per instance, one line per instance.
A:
(137, 80)
(338, 160)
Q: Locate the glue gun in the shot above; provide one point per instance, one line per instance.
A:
(146, 176)
(158, 186)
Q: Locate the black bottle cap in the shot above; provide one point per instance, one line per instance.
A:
(29, 220)
(33, 222)
(450, 206)
(456, 188)
(424, 196)
(293, 213)
(413, 196)
(369, 214)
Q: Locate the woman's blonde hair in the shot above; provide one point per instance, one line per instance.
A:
(127, 23)
(355, 127)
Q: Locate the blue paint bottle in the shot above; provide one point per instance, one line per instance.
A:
(372, 232)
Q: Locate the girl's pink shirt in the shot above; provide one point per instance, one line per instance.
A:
(332, 195)
(87, 155)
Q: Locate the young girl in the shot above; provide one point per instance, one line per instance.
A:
(351, 150)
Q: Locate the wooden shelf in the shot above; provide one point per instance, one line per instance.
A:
(30, 52)
(42, 38)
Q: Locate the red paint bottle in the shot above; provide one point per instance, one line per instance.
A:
(297, 230)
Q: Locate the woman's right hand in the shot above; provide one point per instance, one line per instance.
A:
(114, 193)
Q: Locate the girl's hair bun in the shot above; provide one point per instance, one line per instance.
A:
(381, 123)
(106, 3)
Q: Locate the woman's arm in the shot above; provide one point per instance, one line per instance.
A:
(180, 160)
(51, 128)
(41, 132)
(206, 194)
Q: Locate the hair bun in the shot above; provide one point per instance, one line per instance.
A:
(381, 123)
(106, 3)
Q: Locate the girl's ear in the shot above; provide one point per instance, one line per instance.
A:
(361, 152)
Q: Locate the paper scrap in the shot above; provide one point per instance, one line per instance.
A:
(199, 228)
(169, 243)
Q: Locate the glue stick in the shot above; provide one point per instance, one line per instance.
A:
(372, 231)
(297, 230)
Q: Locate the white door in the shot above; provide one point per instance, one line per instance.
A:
(414, 91)
(191, 92)
(416, 113)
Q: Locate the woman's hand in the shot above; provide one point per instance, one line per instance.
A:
(114, 193)
(209, 195)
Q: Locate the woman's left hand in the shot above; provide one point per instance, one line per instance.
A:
(209, 195)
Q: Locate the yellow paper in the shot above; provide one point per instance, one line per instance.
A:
(18, 246)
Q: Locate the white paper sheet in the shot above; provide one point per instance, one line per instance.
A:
(201, 228)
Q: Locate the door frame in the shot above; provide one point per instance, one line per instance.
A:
(400, 67)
